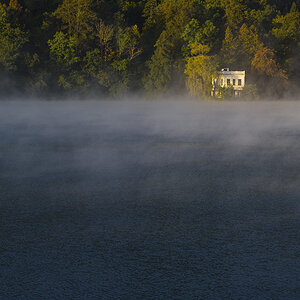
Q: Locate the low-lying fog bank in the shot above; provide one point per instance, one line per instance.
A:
(149, 200)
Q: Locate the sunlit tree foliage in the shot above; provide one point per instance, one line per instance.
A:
(12, 40)
(154, 46)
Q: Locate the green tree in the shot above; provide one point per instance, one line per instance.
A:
(12, 40)
(120, 45)
(264, 62)
(269, 73)
(194, 32)
(230, 49)
(149, 13)
(225, 92)
(239, 50)
(249, 44)
(77, 16)
(249, 40)
(63, 49)
(126, 51)
(160, 66)
(287, 32)
(128, 40)
(287, 28)
(96, 68)
(200, 69)
(234, 13)
(105, 34)
(166, 63)
(261, 17)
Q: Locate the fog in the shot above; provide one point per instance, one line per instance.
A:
(149, 199)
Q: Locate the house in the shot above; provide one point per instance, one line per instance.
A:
(226, 79)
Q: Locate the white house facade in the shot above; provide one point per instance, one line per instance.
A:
(227, 78)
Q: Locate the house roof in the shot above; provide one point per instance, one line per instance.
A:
(226, 71)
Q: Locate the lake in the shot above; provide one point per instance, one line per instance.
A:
(149, 200)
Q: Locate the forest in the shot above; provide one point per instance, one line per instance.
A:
(113, 48)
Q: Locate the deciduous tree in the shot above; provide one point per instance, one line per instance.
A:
(77, 17)
(200, 69)
(265, 63)
(63, 49)
(105, 35)
(12, 40)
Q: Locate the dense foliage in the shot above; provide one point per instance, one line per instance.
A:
(111, 47)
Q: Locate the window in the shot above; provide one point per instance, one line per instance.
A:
(240, 82)
(233, 81)
(228, 81)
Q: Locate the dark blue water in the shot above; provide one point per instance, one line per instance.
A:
(133, 200)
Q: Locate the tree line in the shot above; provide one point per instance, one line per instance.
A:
(114, 47)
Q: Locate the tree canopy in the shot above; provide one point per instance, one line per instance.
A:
(112, 47)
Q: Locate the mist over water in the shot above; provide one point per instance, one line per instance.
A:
(149, 200)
